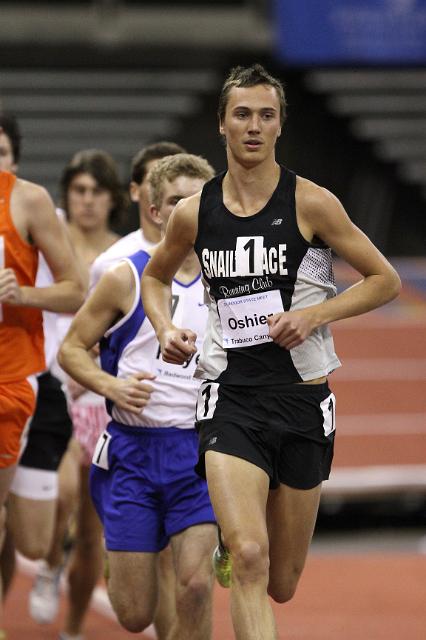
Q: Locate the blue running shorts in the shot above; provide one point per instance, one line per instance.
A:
(145, 488)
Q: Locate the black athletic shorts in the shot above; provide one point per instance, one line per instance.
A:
(50, 429)
(288, 431)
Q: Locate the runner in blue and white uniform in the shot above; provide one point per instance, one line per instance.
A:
(143, 480)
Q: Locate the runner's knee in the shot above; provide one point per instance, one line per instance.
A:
(283, 590)
(250, 560)
(194, 594)
(132, 620)
(33, 548)
(281, 595)
(134, 612)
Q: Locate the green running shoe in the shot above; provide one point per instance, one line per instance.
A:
(222, 564)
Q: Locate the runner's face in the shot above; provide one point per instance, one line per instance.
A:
(89, 205)
(181, 187)
(7, 162)
(251, 124)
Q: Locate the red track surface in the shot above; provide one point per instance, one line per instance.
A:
(340, 597)
(381, 420)
(381, 387)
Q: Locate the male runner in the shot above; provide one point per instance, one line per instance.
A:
(143, 480)
(265, 412)
(28, 224)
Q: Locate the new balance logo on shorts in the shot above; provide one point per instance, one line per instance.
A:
(212, 440)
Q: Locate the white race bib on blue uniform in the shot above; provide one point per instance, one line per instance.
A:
(100, 454)
(244, 319)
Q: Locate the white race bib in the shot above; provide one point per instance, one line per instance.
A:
(100, 455)
(244, 319)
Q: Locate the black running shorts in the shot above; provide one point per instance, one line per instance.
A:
(287, 430)
(50, 428)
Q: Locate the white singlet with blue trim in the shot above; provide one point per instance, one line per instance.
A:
(131, 346)
(124, 247)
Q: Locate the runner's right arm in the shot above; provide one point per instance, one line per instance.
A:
(177, 345)
(111, 299)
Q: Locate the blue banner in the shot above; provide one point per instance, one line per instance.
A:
(350, 31)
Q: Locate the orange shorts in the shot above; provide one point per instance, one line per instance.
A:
(17, 405)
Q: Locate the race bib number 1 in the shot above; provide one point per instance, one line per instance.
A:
(244, 319)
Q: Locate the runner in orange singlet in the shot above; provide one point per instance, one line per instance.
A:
(28, 224)
(21, 332)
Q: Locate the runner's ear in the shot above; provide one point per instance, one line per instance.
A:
(134, 191)
(154, 214)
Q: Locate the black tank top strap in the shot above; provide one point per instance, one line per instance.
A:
(286, 194)
(211, 198)
(287, 186)
(211, 194)
(287, 197)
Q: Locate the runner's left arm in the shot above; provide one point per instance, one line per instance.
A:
(327, 219)
(49, 235)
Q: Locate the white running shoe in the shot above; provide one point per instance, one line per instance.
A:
(44, 596)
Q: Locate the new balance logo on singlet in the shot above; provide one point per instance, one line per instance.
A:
(276, 221)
